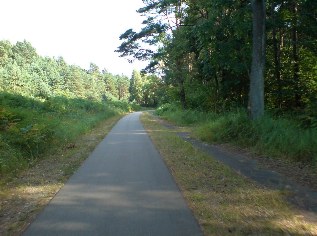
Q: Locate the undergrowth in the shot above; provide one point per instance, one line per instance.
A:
(30, 127)
(271, 136)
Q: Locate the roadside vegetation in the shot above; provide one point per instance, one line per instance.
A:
(45, 104)
(30, 128)
(25, 195)
(224, 202)
(207, 59)
(275, 137)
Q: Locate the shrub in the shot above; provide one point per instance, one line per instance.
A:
(31, 127)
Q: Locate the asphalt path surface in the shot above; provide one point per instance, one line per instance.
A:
(123, 188)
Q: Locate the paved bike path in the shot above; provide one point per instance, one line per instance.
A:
(123, 188)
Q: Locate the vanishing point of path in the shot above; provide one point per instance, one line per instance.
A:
(123, 188)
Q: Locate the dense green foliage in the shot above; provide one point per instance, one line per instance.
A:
(29, 128)
(23, 71)
(145, 90)
(46, 103)
(204, 52)
(281, 138)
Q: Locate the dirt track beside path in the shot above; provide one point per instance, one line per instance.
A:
(261, 170)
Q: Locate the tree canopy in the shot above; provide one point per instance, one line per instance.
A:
(204, 49)
(23, 71)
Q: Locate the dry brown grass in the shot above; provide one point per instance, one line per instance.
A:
(23, 197)
(224, 202)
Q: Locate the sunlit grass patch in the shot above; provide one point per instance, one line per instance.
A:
(32, 127)
(223, 201)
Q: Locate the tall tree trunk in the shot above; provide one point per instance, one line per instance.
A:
(182, 94)
(181, 81)
(297, 96)
(256, 95)
(277, 58)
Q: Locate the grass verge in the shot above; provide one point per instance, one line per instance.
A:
(22, 198)
(274, 137)
(224, 202)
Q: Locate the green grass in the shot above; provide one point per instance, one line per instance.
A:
(224, 202)
(23, 197)
(274, 137)
(184, 117)
(30, 127)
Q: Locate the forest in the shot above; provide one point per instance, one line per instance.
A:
(46, 103)
(240, 75)
(203, 52)
(26, 73)
(200, 57)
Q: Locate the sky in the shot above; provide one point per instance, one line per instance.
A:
(81, 31)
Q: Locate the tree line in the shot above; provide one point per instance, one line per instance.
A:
(145, 90)
(24, 72)
(204, 51)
